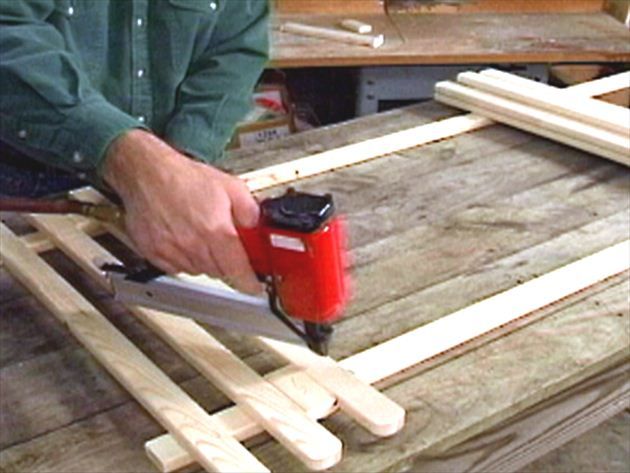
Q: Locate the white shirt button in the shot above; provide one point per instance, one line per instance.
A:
(77, 157)
(213, 5)
(70, 11)
(139, 22)
(142, 118)
(140, 73)
(22, 134)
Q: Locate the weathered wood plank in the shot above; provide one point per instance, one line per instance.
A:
(415, 39)
(514, 443)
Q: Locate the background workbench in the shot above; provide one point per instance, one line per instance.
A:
(457, 32)
(433, 229)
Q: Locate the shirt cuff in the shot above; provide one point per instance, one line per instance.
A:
(87, 133)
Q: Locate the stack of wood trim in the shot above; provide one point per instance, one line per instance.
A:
(562, 115)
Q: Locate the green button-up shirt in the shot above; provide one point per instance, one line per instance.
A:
(75, 74)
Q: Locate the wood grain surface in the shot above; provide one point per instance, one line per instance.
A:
(471, 38)
(433, 229)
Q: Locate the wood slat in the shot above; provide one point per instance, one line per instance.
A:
(587, 110)
(363, 151)
(568, 131)
(405, 351)
(171, 406)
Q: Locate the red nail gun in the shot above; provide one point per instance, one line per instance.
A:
(298, 249)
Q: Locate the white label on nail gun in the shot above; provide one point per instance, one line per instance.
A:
(287, 243)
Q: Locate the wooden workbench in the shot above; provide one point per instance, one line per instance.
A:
(433, 229)
(422, 32)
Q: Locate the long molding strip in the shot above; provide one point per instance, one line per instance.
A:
(595, 112)
(363, 151)
(601, 86)
(263, 402)
(383, 145)
(556, 127)
(169, 404)
(407, 350)
(412, 348)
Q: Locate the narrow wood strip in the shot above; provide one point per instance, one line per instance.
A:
(363, 151)
(263, 402)
(170, 405)
(571, 127)
(565, 130)
(593, 88)
(425, 342)
(39, 243)
(374, 41)
(588, 110)
(601, 86)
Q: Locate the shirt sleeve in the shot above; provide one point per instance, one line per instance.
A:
(48, 109)
(217, 92)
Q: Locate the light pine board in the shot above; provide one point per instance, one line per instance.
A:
(585, 109)
(550, 125)
(192, 426)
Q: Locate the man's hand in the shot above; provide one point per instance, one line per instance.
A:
(181, 214)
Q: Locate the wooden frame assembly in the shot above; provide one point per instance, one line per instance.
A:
(285, 403)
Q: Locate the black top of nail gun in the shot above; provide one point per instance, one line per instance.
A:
(298, 211)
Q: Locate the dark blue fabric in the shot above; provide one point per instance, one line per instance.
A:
(29, 183)
(23, 177)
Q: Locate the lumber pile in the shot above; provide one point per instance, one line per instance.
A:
(563, 115)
